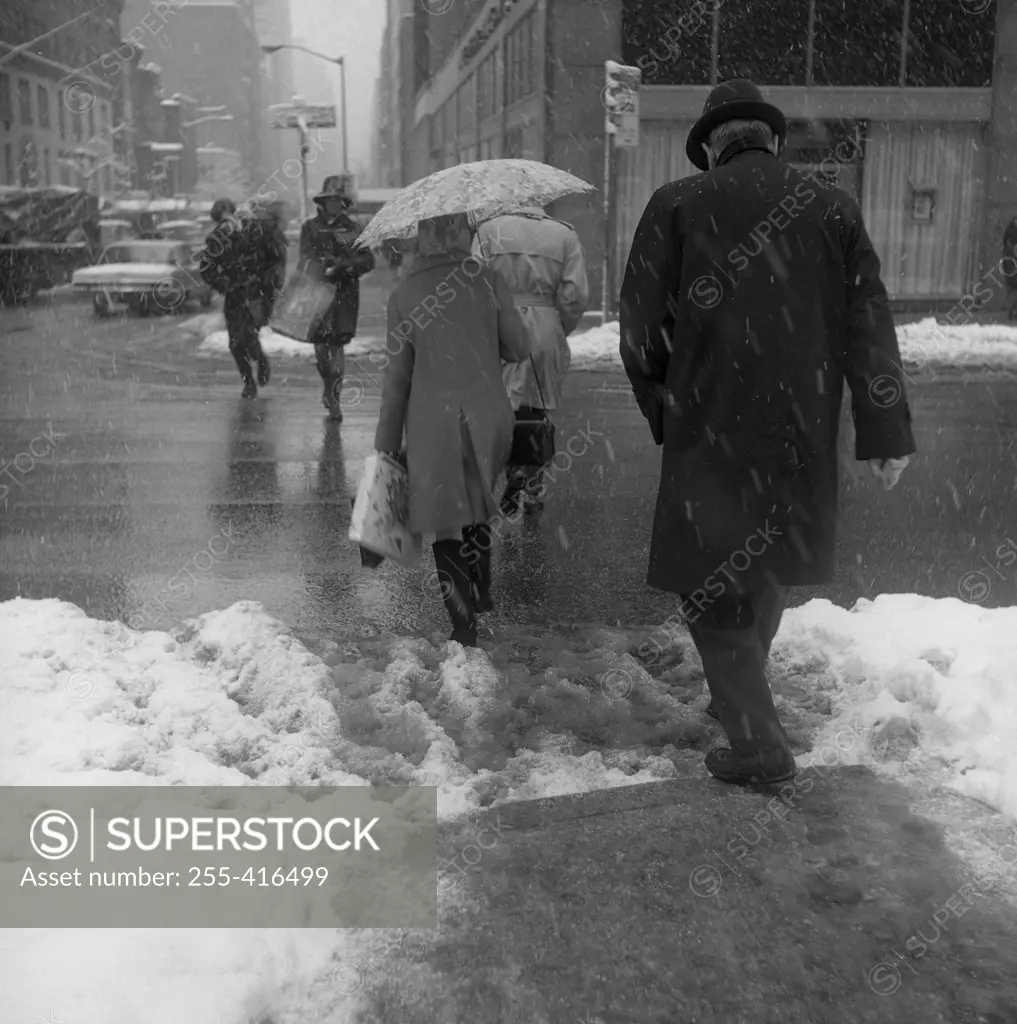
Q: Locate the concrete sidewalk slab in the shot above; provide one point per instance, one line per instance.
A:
(815, 903)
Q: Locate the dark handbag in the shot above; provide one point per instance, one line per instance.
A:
(533, 438)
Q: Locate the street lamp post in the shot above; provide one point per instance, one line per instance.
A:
(341, 61)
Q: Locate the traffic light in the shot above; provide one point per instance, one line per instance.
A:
(621, 102)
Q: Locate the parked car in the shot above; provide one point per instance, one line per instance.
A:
(115, 230)
(146, 274)
(182, 230)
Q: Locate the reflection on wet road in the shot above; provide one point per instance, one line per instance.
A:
(163, 495)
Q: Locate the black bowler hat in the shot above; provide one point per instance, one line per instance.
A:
(732, 101)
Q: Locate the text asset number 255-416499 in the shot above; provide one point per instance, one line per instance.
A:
(257, 877)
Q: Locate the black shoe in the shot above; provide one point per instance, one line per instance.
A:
(762, 767)
(466, 637)
(264, 371)
(250, 390)
(712, 711)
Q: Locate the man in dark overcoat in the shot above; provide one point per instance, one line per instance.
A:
(751, 293)
(327, 254)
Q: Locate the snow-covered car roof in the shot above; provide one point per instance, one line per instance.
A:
(144, 250)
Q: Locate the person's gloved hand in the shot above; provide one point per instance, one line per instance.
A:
(888, 471)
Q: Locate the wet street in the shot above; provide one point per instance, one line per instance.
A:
(158, 494)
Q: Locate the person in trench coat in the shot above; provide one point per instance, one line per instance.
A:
(541, 260)
(451, 322)
(751, 294)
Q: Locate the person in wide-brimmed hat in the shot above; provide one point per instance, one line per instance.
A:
(327, 254)
(751, 293)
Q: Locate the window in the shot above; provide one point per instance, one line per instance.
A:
(8, 164)
(61, 99)
(42, 98)
(91, 121)
(521, 60)
(46, 168)
(6, 114)
(488, 99)
(25, 100)
(76, 124)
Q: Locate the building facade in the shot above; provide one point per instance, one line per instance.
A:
(208, 51)
(274, 28)
(907, 104)
(60, 110)
(395, 95)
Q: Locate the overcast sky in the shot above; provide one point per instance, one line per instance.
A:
(350, 29)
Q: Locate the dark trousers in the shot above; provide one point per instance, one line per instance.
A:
(242, 325)
(733, 636)
(330, 358)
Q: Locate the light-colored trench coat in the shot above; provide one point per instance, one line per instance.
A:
(541, 260)
(451, 322)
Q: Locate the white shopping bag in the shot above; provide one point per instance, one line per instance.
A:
(381, 512)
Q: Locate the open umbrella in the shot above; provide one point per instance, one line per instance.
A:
(485, 189)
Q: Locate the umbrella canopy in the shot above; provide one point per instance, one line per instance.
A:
(485, 189)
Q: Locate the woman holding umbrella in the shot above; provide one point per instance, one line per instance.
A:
(451, 322)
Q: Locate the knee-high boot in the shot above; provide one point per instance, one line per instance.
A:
(478, 540)
(456, 585)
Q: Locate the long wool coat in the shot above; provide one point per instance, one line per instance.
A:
(325, 244)
(451, 322)
(751, 294)
(542, 262)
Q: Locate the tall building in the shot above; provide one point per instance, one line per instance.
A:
(208, 51)
(61, 96)
(395, 94)
(273, 25)
(908, 105)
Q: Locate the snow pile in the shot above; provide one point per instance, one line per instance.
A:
(217, 343)
(929, 342)
(923, 343)
(203, 323)
(597, 348)
(916, 686)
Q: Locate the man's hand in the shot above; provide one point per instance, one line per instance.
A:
(888, 471)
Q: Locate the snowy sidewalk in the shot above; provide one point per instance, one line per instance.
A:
(694, 901)
(917, 690)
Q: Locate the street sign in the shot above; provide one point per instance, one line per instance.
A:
(621, 103)
(284, 115)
